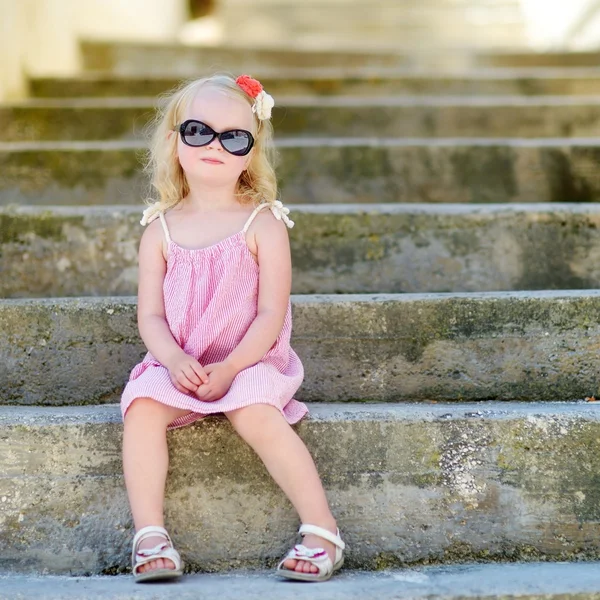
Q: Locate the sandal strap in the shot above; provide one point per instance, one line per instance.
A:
(152, 551)
(169, 553)
(323, 533)
(151, 530)
(316, 556)
(138, 559)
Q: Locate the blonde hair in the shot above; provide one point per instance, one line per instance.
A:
(256, 184)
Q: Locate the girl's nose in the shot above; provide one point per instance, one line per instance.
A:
(214, 145)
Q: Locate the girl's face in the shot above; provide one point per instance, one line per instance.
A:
(212, 164)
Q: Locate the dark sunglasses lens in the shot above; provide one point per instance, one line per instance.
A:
(197, 134)
(236, 142)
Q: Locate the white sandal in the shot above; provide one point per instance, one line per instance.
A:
(163, 550)
(315, 556)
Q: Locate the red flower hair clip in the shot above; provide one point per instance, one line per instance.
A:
(252, 87)
(263, 102)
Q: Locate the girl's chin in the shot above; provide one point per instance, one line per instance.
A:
(212, 175)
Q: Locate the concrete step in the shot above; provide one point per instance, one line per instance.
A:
(409, 4)
(402, 14)
(86, 119)
(376, 347)
(527, 581)
(357, 249)
(350, 82)
(374, 23)
(538, 59)
(332, 170)
(381, 36)
(408, 484)
(180, 60)
(443, 4)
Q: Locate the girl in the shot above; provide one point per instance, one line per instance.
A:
(214, 312)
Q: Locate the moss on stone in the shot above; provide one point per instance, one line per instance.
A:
(15, 229)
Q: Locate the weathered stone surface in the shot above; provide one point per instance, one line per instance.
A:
(358, 82)
(327, 171)
(136, 58)
(526, 581)
(505, 346)
(407, 484)
(63, 251)
(72, 173)
(537, 59)
(345, 16)
(87, 119)
(394, 25)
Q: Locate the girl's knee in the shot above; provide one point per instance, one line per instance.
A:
(256, 420)
(142, 405)
(148, 409)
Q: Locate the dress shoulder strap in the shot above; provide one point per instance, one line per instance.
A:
(163, 222)
(279, 211)
(152, 212)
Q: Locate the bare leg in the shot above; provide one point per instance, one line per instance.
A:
(290, 464)
(145, 464)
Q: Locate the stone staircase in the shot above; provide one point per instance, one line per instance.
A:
(383, 23)
(445, 260)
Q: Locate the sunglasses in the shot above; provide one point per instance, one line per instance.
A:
(195, 133)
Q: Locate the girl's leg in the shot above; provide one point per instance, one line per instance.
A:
(145, 464)
(290, 464)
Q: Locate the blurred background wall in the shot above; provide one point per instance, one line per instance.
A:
(41, 36)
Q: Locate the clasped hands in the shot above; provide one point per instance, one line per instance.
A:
(208, 383)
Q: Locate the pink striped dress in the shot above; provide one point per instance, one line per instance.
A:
(210, 297)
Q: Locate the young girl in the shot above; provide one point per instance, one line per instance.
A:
(214, 312)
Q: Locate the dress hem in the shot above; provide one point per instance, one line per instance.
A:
(194, 416)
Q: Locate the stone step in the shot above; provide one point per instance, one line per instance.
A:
(394, 24)
(315, 12)
(334, 170)
(443, 4)
(526, 581)
(356, 249)
(178, 59)
(354, 82)
(185, 61)
(376, 33)
(538, 59)
(376, 347)
(408, 484)
(85, 119)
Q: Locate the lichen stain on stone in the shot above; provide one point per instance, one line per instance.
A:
(461, 456)
(489, 173)
(564, 184)
(62, 264)
(20, 228)
(374, 249)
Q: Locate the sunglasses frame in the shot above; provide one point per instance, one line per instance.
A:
(181, 129)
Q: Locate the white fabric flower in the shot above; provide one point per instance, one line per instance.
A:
(263, 103)
(150, 213)
(281, 212)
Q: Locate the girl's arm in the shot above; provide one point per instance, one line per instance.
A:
(152, 322)
(274, 287)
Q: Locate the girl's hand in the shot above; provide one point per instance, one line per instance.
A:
(220, 376)
(186, 373)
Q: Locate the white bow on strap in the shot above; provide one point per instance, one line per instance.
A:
(150, 213)
(281, 212)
